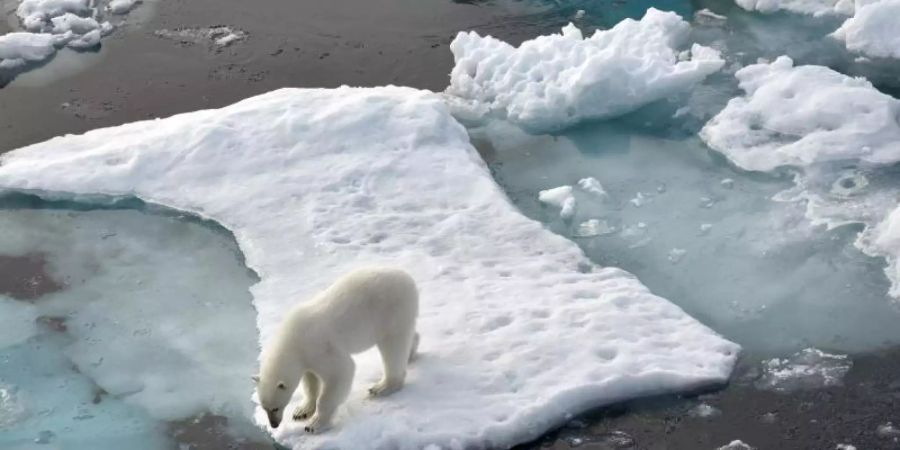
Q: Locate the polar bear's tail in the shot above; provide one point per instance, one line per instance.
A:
(414, 347)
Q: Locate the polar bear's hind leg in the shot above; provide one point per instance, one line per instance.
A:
(396, 351)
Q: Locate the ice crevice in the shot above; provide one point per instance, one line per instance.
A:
(519, 330)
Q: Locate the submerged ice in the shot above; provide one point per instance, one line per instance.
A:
(519, 330)
(131, 337)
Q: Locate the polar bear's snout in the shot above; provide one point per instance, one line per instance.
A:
(275, 417)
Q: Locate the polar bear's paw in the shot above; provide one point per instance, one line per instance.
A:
(316, 425)
(384, 388)
(304, 412)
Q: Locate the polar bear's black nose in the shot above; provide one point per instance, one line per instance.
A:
(274, 421)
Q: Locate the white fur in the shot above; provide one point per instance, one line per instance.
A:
(365, 308)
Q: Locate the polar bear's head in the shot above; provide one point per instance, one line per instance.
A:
(275, 387)
(274, 396)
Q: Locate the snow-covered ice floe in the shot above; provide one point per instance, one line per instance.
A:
(804, 115)
(51, 24)
(519, 330)
(840, 131)
(555, 81)
(874, 30)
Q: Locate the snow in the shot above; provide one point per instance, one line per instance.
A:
(519, 330)
(807, 369)
(560, 197)
(554, 81)
(804, 115)
(874, 30)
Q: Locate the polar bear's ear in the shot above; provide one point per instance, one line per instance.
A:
(255, 378)
(281, 385)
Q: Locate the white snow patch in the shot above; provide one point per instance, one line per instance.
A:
(874, 31)
(555, 81)
(36, 15)
(516, 333)
(804, 115)
(807, 369)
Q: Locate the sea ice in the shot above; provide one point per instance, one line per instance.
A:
(807, 369)
(736, 445)
(519, 330)
(874, 30)
(121, 6)
(812, 7)
(551, 82)
(592, 185)
(735, 249)
(804, 115)
(560, 197)
(22, 47)
(143, 298)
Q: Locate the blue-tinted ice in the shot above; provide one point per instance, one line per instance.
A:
(138, 331)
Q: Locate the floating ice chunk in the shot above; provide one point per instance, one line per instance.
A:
(804, 115)
(705, 410)
(874, 31)
(12, 408)
(708, 15)
(36, 15)
(28, 47)
(845, 447)
(217, 37)
(727, 183)
(555, 81)
(807, 369)
(736, 445)
(676, 254)
(592, 185)
(121, 6)
(811, 7)
(73, 23)
(560, 197)
(579, 14)
(705, 228)
(638, 200)
(888, 430)
(593, 227)
(510, 319)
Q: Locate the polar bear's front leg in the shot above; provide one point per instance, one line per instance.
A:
(310, 385)
(336, 378)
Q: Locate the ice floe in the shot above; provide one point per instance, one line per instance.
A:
(560, 197)
(874, 30)
(519, 330)
(807, 369)
(52, 24)
(555, 81)
(803, 115)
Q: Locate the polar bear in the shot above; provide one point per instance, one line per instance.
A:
(365, 308)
